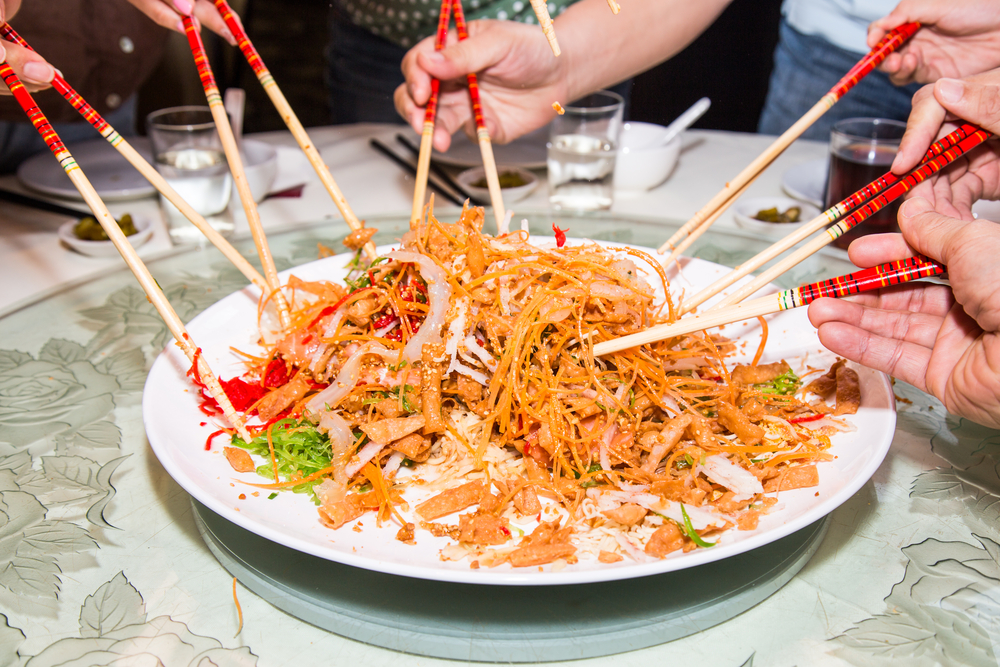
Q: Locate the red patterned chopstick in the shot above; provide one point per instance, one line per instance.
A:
(121, 243)
(721, 201)
(232, 152)
(485, 144)
(877, 277)
(291, 120)
(891, 273)
(892, 41)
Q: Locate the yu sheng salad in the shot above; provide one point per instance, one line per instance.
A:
(449, 388)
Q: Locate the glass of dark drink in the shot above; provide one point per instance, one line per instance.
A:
(861, 150)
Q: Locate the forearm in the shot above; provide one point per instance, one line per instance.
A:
(601, 49)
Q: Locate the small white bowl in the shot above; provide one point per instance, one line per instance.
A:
(470, 176)
(143, 227)
(643, 160)
(260, 162)
(747, 208)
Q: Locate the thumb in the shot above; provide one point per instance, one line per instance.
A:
(928, 232)
(977, 102)
(468, 56)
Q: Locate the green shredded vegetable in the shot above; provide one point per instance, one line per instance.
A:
(298, 448)
(690, 531)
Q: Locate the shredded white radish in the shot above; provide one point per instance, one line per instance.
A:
(347, 378)
(367, 453)
(484, 356)
(524, 226)
(392, 464)
(341, 439)
(740, 481)
(632, 550)
(504, 226)
(438, 300)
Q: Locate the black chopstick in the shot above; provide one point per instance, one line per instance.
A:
(384, 150)
(441, 173)
(42, 205)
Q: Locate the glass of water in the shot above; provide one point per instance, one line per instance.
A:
(581, 152)
(189, 155)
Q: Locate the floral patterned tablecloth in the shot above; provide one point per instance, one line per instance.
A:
(101, 563)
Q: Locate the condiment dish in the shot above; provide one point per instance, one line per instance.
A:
(746, 209)
(470, 177)
(644, 160)
(144, 230)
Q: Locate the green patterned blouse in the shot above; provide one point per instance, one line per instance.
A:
(406, 22)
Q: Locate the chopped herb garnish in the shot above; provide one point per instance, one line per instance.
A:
(690, 531)
(273, 495)
(785, 384)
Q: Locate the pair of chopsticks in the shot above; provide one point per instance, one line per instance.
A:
(430, 114)
(41, 204)
(140, 163)
(411, 169)
(867, 202)
(708, 214)
(139, 269)
(288, 115)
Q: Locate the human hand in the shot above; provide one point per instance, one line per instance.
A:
(519, 79)
(957, 39)
(33, 71)
(167, 13)
(975, 99)
(943, 340)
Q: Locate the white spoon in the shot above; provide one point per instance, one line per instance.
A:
(686, 119)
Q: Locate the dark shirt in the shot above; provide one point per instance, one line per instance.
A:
(105, 49)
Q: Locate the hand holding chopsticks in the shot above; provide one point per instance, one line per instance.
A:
(114, 232)
(891, 273)
(831, 215)
(727, 195)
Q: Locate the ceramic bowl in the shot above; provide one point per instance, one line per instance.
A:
(260, 161)
(644, 161)
(745, 209)
(144, 230)
(470, 176)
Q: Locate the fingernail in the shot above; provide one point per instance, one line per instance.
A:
(229, 37)
(435, 57)
(38, 72)
(180, 26)
(950, 90)
(914, 207)
(3, 53)
(183, 6)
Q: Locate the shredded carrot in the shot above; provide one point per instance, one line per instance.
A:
(239, 610)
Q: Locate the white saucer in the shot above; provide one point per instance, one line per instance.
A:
(110, 173)
(527, 152)
(806, 181)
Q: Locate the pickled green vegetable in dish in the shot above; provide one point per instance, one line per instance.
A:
(508, 179)
(792, 214)
(89, 229)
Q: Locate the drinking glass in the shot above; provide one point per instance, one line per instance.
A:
(581, 152)
(861, 150)
(188, 154)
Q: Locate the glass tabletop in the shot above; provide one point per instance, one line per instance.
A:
(99, 554)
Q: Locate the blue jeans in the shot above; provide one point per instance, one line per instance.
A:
(19, 141)
(806, 68)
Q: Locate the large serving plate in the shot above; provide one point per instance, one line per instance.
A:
(177, 431)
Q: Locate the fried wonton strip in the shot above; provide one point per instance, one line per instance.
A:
(430, 387)
(848, 391)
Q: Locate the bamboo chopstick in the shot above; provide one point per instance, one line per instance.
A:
(485, 145)
(877, 277)
(544, 20)
(236, 167)
(829, 216)
(430, 113)
(144, 168)
(867, 210)
(893, 40)
(114, 232)
(291, 120)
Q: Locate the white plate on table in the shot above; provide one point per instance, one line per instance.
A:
(110, 173)
(172, 420)
(806, 181)
(527, 152)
